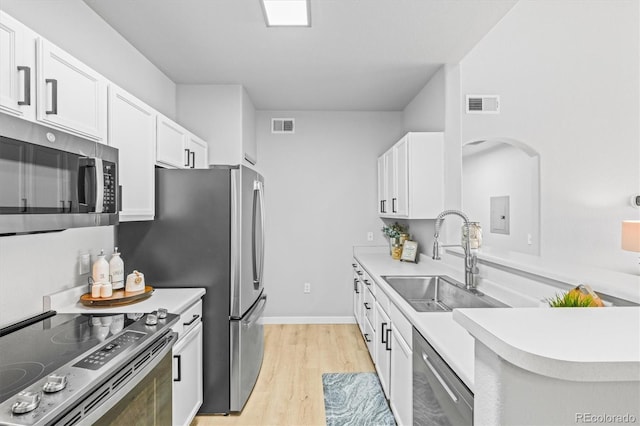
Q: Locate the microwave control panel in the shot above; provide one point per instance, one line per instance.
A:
(110, 185)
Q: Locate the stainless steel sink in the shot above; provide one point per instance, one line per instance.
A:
(439, 293)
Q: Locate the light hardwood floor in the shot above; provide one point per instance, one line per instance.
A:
(289, 389)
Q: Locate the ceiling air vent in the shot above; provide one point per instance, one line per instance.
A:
(483, 104)
(283, 125)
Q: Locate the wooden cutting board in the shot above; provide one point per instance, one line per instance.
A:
(118, 298)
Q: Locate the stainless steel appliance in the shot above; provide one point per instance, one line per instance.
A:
(439, 396)
(52, 180)
(73, 369)
(209, 232)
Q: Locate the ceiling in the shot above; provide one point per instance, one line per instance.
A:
(365, 55)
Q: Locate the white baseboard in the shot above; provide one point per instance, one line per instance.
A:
(309, 320)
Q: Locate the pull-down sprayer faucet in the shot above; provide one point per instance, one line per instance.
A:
(470, 259)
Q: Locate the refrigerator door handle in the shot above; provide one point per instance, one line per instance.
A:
(256, 314)
(258, 256)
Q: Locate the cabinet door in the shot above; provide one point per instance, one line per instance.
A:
(132, 129)
(401, 380)
(71, 96)
(383, 348)
(389, 205)
(17, 68)
(401, 178)
(197, 150)
(187, 377)
(170, 145)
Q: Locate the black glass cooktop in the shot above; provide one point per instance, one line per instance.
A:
(37, 350)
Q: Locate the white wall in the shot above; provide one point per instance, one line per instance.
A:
(221, 114)
(426, 111)
(35, 265)
(321, 197)
(568, 76)
(76, 28)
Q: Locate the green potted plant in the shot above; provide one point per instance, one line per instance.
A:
(397, 234)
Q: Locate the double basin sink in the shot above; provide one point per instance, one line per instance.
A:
(439, 293)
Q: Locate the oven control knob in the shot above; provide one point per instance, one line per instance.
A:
(27, 401)
(55, 383)
(162, 313)
(152, 319)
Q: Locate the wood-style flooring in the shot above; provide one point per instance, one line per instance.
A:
(289, 389)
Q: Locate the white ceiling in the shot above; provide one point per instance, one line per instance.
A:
(357, 55)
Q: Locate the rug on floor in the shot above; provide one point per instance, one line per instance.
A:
(355, 399)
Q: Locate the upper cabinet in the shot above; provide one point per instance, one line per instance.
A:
(17, 68)
(198, 151)
(178, 148)
(132, 129)
(411, 177)
(71, 96)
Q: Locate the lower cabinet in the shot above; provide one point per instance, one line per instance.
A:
(187, 377)
(386, 332)
(401, 386)
(383, 349)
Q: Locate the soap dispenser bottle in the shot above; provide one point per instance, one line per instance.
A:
(116, 270)
(100, 269)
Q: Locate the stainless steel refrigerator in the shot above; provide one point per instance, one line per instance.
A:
(209, 232)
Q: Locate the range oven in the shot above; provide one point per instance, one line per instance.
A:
(52, 180)
(72, 369)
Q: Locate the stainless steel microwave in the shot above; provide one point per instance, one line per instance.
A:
(51, 180)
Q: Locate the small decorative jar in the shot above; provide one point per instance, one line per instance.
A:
(475, 235)
(404, 237)
(396, 249)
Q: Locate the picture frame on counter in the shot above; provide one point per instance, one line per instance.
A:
(409, 251)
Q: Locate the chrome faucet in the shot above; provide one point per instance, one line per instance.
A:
(470, 259)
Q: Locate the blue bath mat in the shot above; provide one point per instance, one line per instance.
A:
(355, 399)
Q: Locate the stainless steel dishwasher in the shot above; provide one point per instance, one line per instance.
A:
(439, 396)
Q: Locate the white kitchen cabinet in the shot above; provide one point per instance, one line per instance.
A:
(132, 129)
(197, 152)
(411, 177)
(187, 376)
(170, 144)
(383, 348)
(17, 68)
(401, 382)
(70, 96)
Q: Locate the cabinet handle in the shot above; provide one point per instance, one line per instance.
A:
(24, 205)
(359, 272)
(381, 210)
(54, 95)
(179, 378)
(384, 206)
(366, 338)
(387, 344)
(187, 151)
(355, 286)
(27, 85)
(393, 205)
(383, 334)
(195, 317)
(354, 265)
(367, 282)
(193, 159)
(366, 305)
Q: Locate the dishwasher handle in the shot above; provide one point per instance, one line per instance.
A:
(444, 384)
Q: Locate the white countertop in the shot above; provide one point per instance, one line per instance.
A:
(581, 344)
(452, 342)
(175, 300)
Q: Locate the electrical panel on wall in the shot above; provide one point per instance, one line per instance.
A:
(483, 104)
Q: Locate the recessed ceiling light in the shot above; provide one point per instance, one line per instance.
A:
(287, 13)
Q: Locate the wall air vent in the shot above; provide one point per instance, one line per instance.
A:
(483, 104)
(283, 125)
